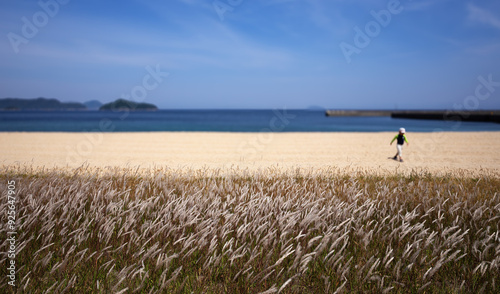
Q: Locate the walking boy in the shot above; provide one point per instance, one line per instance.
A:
(401, 140)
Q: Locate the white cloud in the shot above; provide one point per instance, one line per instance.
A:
(486, 49)
(193, 44)
(421, 5)
(483, 16)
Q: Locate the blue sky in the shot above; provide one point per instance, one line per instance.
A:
(257, 54)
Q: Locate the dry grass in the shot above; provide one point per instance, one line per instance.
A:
(211, 231)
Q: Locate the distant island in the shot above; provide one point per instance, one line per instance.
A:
(122, 104)
(52, 104)
(38, 104)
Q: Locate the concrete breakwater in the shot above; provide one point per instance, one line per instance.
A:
(358, 113)
(477, 115)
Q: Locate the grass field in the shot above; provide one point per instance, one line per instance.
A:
(116, 230)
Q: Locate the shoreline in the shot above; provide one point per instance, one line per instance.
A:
(436, 152)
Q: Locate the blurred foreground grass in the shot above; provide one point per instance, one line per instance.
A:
(116, 230)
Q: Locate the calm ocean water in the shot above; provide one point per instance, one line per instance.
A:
(220, 121)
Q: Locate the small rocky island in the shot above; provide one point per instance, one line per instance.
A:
(122, 104)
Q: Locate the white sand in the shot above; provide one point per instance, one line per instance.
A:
(434, 152)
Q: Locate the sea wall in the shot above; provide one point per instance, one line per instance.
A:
(479, 115)
(358, 113)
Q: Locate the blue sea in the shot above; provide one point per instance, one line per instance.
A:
(277, 120)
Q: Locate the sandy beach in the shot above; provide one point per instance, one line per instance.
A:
(433, 152)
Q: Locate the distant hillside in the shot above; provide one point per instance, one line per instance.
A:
(93, 104)
(129, 105)
(38, 104)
